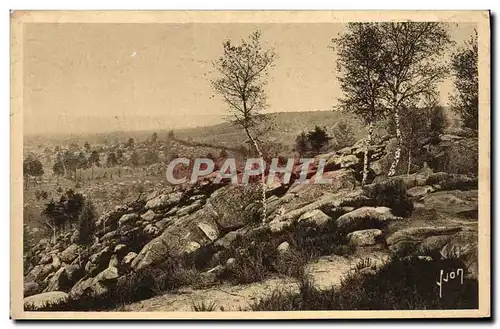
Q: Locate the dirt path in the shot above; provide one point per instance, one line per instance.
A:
(324, 273)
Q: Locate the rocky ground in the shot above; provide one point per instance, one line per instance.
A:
(209, 218)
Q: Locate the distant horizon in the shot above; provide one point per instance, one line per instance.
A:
(151, 129)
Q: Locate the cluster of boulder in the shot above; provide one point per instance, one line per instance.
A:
(175, 222)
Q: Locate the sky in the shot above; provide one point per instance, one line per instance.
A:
(101, 77)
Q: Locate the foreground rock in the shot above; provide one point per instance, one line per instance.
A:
(198, 227)
(46, 301)
(96, 286)
(364, 216)
(364, 237)
(315, 216)
(464, 246)
(452, 202)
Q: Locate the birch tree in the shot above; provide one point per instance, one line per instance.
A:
(243, 70)
(359, 57)
(411, 67)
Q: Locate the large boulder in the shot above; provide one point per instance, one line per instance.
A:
(127, 260)
(110, 236)
(109, 274)
(343, 179)
(192, 246)
(452, 202)
(46, 301)
(230, 206)
(153, 252)
(39, 272)
(408, 239)
(455, 156)
(226, 241)
(341, 161)
(59, 281)
(98, 261)
(163, 201)
(210, 231)
(464, 246)
(149, 216)
(80, 288)
(187, 210)
(69, 254)
(197, 227)
(74, 272)
(128, 219)
(151, 230)
(365, 216)
(47, 258)
(330, 201)
(315, 216)
(364, 237)
(432, 244)
(96, 286)
(163, 223)
(419, 191)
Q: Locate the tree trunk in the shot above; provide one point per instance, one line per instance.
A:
(397, 154)
(53, 227)
(366, 160)
(79, 257)
(263, 175)
(409, 162)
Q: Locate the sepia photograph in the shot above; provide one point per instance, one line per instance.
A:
(250, 165)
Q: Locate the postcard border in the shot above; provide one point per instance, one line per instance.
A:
(19, 18)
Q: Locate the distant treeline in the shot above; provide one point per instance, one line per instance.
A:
(240, 150)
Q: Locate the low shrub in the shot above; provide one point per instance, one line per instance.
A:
(391, 194)
(401, 284)
(257, 256)
(145, 283)
(204, 307)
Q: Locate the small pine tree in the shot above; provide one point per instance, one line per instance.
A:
(343, 134)
(437, 121)
(134, 159)
(86, 224)
(301, 144)
(318, 139)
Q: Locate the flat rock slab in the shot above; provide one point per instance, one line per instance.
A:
(224, 297)
(452, 202)
(45, 300)
(328, 271)
(418, 234)
(364, 237)
(355, 219)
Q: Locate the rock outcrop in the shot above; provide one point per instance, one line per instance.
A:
(171, 223)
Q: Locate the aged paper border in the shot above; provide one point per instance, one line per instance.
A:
(19, 18)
